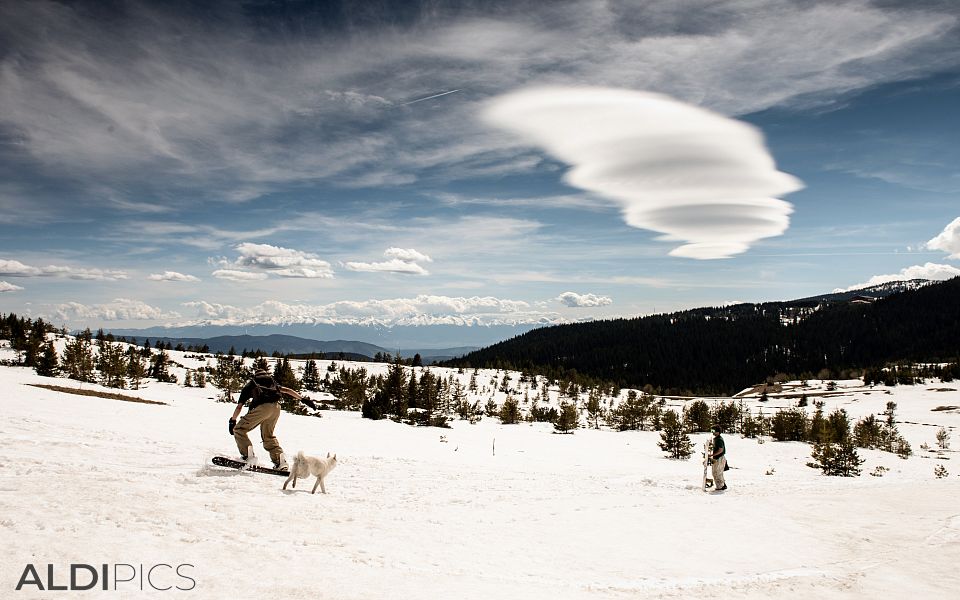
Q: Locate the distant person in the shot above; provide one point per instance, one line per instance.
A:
(264, 411)
(719, 460)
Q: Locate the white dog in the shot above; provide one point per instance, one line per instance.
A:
(304, 466)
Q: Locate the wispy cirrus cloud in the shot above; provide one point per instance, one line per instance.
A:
(15, 268)
(404, 261)
(213, 104)
(691, 174)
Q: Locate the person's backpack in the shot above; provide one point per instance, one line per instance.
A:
(267, 394)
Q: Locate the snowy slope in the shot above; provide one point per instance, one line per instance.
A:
(597, 514)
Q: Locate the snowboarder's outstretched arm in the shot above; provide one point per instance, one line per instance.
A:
(290, 392)
(297, 396)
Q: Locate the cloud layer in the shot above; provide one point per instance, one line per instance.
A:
(9, 287)
(424, 309)
(683, 171)
(15, 268)
(119, 309)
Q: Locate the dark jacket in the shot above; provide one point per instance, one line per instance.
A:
(263, 390)
(719, 445)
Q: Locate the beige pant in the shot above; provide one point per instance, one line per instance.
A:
(719, 464)
(266, 416)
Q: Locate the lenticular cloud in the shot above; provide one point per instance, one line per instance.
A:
(691, 174)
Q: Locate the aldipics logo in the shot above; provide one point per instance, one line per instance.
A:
(117, 577)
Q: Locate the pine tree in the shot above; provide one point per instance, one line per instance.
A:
(594, 409)
(390, 396)
(413, 390)
(817, 428)
(428, 391)
(48, 362)
(568, 418)
(34, 343)
(673, 437)
(228, 376)
(136, 370)
(311, 376)
(789, 425)
(78, 361)
(458, 398)
(837, 458)
(510, 411)
(697, 416)
(283, 374)
(112, 363)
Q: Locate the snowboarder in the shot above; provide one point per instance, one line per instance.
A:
(264, 411)
(719, 460)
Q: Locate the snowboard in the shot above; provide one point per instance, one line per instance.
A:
(223, 461)
(707, 451)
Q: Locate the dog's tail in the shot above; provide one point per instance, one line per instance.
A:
(299, 458)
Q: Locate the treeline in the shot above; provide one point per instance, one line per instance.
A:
(718, 351)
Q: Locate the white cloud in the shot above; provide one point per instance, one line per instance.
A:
(172, 276)
(208, 310)
(424, 309)
(15, 268)
(406, 255)
(402, 260)
(9, 287)
(575, 300)
(259, 261)
(119, 309)
(84, 274)
(948, 240)
(234, 275)
(932, 271)
(389, 266)
(686, 172)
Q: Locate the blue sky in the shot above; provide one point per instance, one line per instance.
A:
(468, 163)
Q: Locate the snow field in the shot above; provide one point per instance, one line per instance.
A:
(597, 514)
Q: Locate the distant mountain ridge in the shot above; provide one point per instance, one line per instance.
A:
(723, 349)
(881, 290)
(288, 344)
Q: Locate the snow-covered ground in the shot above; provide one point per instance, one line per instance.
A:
(476, 511)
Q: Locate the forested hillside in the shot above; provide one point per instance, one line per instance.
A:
(722, 350)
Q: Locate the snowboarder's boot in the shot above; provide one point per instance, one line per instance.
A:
(281, 464)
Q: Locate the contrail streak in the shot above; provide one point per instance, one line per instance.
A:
(428, 98)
